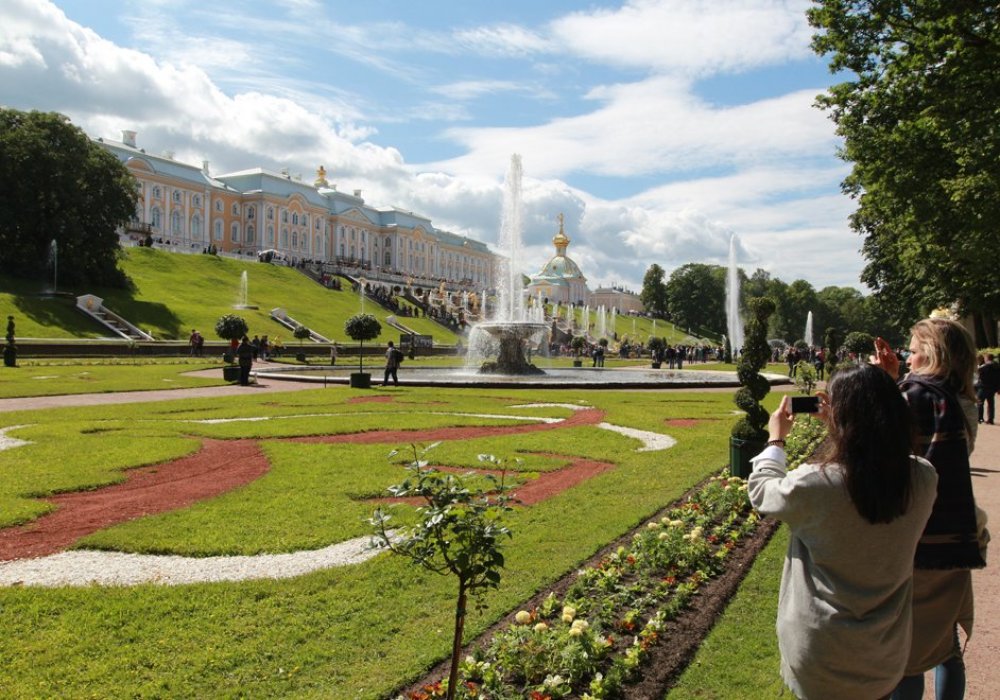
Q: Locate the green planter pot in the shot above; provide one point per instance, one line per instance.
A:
(300, 357)
(740, 453)
(578, 363)
(231, 373)
(361, 380)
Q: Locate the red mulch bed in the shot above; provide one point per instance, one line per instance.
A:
(223, 465)
(219, 466)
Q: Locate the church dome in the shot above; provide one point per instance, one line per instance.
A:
(560, 266)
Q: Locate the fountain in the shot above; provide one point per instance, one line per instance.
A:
(808, 337)
(506, 334)
(734, 324)
(242, 302)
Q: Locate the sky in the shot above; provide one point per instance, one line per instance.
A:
(659, 128)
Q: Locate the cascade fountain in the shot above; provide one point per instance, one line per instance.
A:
(242, 302)
(808, 337)
(511, 327)
(734, 324)
(600, 327)
(613, 323)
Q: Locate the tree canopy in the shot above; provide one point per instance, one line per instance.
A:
(57, 185)
(654, 292)
(919, 122)
(697, 294)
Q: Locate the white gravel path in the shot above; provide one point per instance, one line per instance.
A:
(85, 568)
(651, 442)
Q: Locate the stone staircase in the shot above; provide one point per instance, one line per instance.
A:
(93, 306)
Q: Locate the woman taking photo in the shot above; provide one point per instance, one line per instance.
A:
(939, 390)
(855, 515)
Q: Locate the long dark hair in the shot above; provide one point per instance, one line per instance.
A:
(871, 438)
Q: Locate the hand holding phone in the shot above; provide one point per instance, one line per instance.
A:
(805, 404)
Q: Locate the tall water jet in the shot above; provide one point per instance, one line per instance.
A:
(242, 302)
(734, 324)
(54, 261)
(511, 328)
(808, 337)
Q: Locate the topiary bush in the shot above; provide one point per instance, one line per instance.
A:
(859, 344)
(301, 332)
(10, 349)
(754, 387)
(362, 327)
(231, 326)
(832, 344)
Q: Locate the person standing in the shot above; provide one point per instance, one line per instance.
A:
(244, 355)
(193, 342)
(989, 385)
(333, 354)
(392, 359)
(856, 515)
(938, 388)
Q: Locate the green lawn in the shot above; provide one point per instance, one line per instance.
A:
(354, 632)
(100, 375)
(175, 293)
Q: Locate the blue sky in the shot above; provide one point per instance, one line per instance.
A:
(658, 127)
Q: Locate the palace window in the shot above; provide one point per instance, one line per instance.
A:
(177, 196)
(217, 235)
(251, 233)
(156, 192)
(236, 209)
(155, 217)
(251, 212)
(234, 233)
(270, 235)
(196, 227)
(175, 223)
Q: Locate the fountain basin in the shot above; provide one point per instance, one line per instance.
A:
(558, 378)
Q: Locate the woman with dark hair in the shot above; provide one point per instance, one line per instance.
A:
(855, 515)
(939, 390)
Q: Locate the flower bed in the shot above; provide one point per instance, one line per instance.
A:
(594, 639)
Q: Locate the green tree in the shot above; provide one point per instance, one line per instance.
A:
(362, 327)
(697, 297)
(459, 531)
(56, 184)
(231, 327)
(654, 292)
(919, 120)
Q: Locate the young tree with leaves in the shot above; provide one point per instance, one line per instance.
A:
(459, 531)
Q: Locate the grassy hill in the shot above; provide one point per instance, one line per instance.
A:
(175, 293)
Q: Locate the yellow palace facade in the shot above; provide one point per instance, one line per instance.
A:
(256, 210)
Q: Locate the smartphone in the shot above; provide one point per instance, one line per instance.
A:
(805, 404)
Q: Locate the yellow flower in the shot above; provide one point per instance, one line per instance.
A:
(523, 617)
(575, 632)
(541, 627)
(581, 625)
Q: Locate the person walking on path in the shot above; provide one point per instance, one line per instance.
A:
(856, 516)
(244, 355)
(989, 385)
(392, 359)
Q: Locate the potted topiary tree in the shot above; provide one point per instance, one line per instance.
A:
(578, 343)
(362, 327)
(860, 345)
(10, 349)
(231, 327)
(655, 346)
(749, 435)
(301, 332)
(832, 343)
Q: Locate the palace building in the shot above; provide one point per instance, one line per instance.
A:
(256, 210)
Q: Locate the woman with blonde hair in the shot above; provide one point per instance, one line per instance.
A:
(939, 390)
(855, 515)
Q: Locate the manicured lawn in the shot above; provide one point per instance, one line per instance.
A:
(353, 632)
(54, 377)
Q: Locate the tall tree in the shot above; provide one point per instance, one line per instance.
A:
(919, 121)
(57, 185)
(654, 291)
(697, 297)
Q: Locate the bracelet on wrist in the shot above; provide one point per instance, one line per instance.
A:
(776, 443)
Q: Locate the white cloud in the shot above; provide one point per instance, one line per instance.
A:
(501, 40)
(690, 37)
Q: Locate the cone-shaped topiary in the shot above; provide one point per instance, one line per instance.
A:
(753, 359)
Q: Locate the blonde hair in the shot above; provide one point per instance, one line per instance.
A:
(950, 352)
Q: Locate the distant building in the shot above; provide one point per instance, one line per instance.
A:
(254, 210)
(625, 301)
(560, 280)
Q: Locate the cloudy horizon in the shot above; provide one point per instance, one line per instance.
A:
(659, 128)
